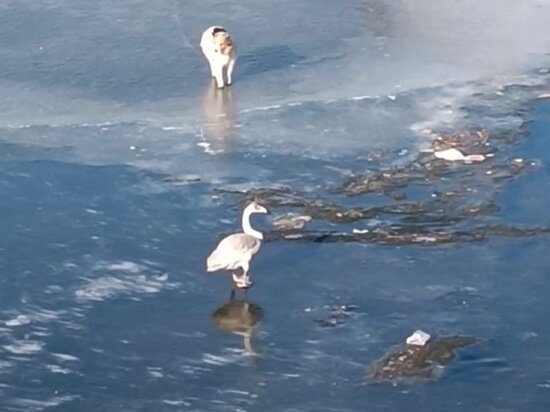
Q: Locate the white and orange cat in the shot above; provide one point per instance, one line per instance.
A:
(220, 51)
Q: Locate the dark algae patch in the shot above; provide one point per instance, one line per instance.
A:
(418, 362)
(426, 201)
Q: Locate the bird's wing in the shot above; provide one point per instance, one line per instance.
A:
(240, 243)
(232, 249)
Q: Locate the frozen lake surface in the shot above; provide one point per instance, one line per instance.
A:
(121, 166)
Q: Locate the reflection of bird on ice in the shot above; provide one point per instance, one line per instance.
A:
(241, 318)
(219, 116)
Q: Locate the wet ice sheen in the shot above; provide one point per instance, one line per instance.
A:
(128, 278)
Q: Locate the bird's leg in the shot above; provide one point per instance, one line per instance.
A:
(242, 281)
(246, 279)
(237, 278)
(248, 349)
(235, 285)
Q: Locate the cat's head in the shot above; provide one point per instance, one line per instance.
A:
(223, 43)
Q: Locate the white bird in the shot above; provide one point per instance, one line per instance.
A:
(237, 250)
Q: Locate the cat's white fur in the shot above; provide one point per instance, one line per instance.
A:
(221, 53)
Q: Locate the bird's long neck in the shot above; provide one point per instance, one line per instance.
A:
(247, 228)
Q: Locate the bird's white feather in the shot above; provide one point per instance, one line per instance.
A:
(232, 252)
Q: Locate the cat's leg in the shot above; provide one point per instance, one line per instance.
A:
(217, 72)
(212, 68)
(230, 67)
